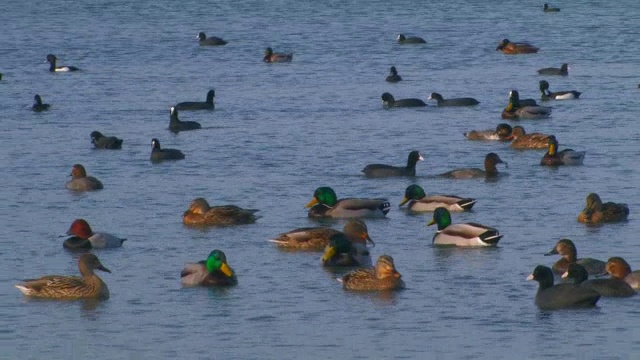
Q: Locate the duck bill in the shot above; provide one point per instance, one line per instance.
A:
(313, 201)
(366, 238)
(328, 254)
(404, 201)
(433, 221)
(103, 268)
(226, 270)
(565, 274)
(530, 277)
(396, 274)
(552, 252)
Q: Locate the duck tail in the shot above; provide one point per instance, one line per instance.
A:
(385, 207)
(491, 236)
(467, 204)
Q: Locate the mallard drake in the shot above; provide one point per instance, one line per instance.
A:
(348, 248)
(467, 101)
(105, 142)
(208, 104)
(311, 238)
(490, 170)
(89, 286)
(465, 234)
(512, 48)
(522, 140)
(81, 182)
(562, 71)
(389, 101)
(516, 110)
(201, 214)
(559, 95)
(52, 59)
(410, 40)
(273, 57)
(560, 296)
(420, 202)
(567, 249)
(381, 170)
(501, 133)
(596, 212)
(553, 157)
(605, 287)
(158, 154)
(38, 106)
(215, 271)
(84, 237)
(381, 278)
(393, 75)
(176, 125)
(620, 269)
(547, 8)
(325, 203)
(203, 40)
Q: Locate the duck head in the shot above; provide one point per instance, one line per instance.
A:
(325, 196)
(217, 261)
(412, 192)
(442, 217)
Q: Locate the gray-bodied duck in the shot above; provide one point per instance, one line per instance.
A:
(383, 277)
(418, 201)
(201, 214)
(597, 212)
(553, 157)
(325, 203)
(81, 182)
(214, 271)
(567, 249)
(463, 234)
(517, 110)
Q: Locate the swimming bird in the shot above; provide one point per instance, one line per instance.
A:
(389, 101)
(463, 234)
(51, 59)
(512, 48)
(383, 277)
(547, 8)
(84, 237)
(81, 182)
(562, 71)
(567, 249)
(274, 57)
(393, 75)
(158, 154)
(314, 238)
(201, 214)
(325, 203)
(209, 41)
(467, 101)
(88, 286)
(596, 212)
(381, 170)
(605, 287)
(553, 157)
(105, 142)
(501, 133)
(215, 271)
(410, 40)
(208, 104)
(522, 140)
(516, 110)
(620, 269)
(559, 95)
(176, 125)
(490, 169)
(38, 106)
(349, 248)
(560, 296)
(418, 201)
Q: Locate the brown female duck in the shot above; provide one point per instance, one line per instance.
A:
(522, 140)
(318, 238)
(567, 249)
(490, 169)
(596, 212)
(512, 48)
(383, 277)
(201, 214)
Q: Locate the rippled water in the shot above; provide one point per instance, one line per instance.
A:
(278, 132)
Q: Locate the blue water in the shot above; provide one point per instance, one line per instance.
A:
(281, 130)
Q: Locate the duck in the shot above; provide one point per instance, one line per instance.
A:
(511, 48)
(567, 249)
(315, 238)
(349, 248)
(201, 214)
(203, 40)
(393, 75)
(596, 212)
(467, 101)
(501, 133)
(273, 57)
(389, 101)
(553, 157)
(418, 201)
(620, 269)
(410, 40)
(84, 237)
(605, 287)
(559, 95)
(158, 154)
(101, 141)
(208, 104)
(562, 71)
(38, 106)
(88, 286)
(463, 234)
(381, 170)
(383, 277)
(215, 271)
(490, 169)
(81, 182)
(517, 110)
(547, 8)
(176, 125)
(325, 204)
(560, 296)
(522, 140)
(51, 59)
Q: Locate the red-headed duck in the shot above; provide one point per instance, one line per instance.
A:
(84, 238)
(81, 182)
